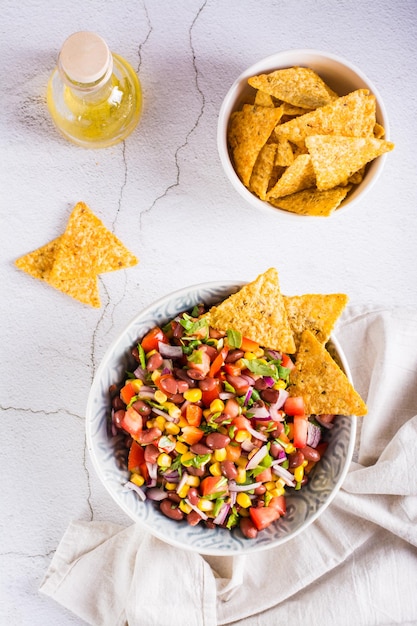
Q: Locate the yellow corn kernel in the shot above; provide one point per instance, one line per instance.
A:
(241, 475)
(206, 413)
(171, 486)
(180, 447)
(164, 460)
(187, 456)
(137, 479)
(242, 435)
(275, 493)
(280, 483)
(136, 383)
(249, 356)
(217, 406)
(259, 353)
(215, 469)
(270, 485)
(150, 353)
(205, 505)
(220, 454)
(185, 508)
(298, 473)
(155, 375)
(172, 429)
(193, 481)
(172, 409)
(288, 447)
(242, 462)
(183, 491)
(280, 384)
(160, 422)
(150, 424)
(244, 512)
(243, 500)
(160, 396)
(193, 395)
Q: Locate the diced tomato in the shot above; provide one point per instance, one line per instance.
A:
(213, 484)
(263, 516)
(202, 364)
(209, 395)
(300, 431)
(193, 414)
(241, 422)
(218, 361)
(232, 368)
(265, 476)
(239, 384)
(152, 338)
(248, 345)
(136, 460)
(127, 392)
(233, 453)
(287, 362)
(279, 503)
(132, 422)
(294, 406)
(191, 434)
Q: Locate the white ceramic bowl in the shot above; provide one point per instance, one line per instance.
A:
(303, 507)
(341, 75)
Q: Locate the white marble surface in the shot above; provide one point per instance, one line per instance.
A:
(164, 194)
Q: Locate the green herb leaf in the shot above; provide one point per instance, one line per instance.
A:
(260, 368)
(142, 357)
(234, 338)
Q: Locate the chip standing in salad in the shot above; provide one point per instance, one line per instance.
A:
(210, 423)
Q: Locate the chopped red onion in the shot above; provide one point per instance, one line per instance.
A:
(196, 509)
(269, 381)
(168, 417)
(156, 493)
(222, 514)
(260, 412)
(225, 395)
(257, 434)
(182, 482)
(247, 445)
(279, 460)
(257, 458)
(152, 469)
(140, 492)
(234, 487)
(248, 396)
(313, 435)
(248, 379)
(286, 476)
(283, 395)
(139, 373)
(168, 351)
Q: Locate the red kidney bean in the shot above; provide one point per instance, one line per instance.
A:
(135, 353)
(248, 528)
(234, 355)
(193, 496)
(169, 509)
(141, 407)
(182, 386)
(154, 362)
(228, 469)
(113, 390)
(215, 334)
(259, 491)
(174, 497)
(117, 403)
(311, 454)
(118, 417)
(151, 453)
(177, 330)
(211, 351)
(196, 471)
(295, 459)
(147, 436)
(193, 518)
(200, 448)
(181, 374)
(270, 395)
(275, 449)
(177, 398)
(216, 441)
(260, 384)
(207, 384)
(195, 374)
(279, 428)
(168, 384)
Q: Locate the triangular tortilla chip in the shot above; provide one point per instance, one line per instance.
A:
(315, 312)
(258, 312)
(324, 387)
(262, 171)
(298, 176)
(352, 115)
(335, 158)
(248, 132)
(300, 86)
(39, 262)
(312, 201)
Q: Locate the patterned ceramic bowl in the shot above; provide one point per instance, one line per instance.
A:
(303, 507)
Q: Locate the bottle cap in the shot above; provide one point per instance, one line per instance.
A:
(85, 59)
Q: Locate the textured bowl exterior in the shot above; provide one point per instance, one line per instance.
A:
(303, 507)
(340, 75)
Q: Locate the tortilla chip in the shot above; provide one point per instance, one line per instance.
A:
(336, 158)
(263, 99)
(298, 176)
(324, 387)
(352, 115)
(248, 132)
(258, 312)
(285, 155)
(312, 201)
(317, 313)
(379, 131)
(39, 262)
(299, 86)
(262, 170)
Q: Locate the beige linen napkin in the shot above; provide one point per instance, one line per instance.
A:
(357, 564)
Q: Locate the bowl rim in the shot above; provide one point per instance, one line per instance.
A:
(267, 65)
(119, 341)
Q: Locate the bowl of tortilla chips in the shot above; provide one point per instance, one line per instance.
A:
(305, 324)
(303, 133)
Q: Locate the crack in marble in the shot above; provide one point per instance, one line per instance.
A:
(41, 411)
(195, 125)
